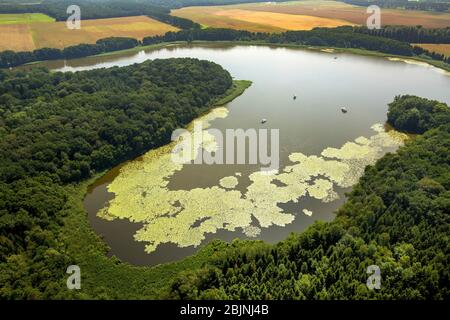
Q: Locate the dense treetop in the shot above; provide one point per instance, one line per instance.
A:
(417, 115)
(104, 113)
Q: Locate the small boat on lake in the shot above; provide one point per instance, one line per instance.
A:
(263, 120)
(295, 97)
(344, 110)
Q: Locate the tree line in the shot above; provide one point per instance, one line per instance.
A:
(341, 37)
(410, 34)
(396, 217)
(416, 34)
(427, 5)
(61, 128)
(12, 59)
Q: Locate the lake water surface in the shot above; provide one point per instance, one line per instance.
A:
(323, 83)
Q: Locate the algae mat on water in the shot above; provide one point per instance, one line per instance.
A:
(183, 217)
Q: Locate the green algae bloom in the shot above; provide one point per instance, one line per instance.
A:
(184, 217)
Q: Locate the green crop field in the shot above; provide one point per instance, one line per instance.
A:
(24, 18)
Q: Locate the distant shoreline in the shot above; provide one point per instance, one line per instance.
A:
(327, 49)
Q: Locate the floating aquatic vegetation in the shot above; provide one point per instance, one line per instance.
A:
(184, 217)
(322, 189)
(251, 231)
(229, 182)
(307, 212)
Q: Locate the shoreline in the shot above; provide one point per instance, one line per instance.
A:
(434, 63)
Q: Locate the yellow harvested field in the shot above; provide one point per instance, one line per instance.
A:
(233, 17)
(257, 21)
(15, 37)
(439, 48)
(281, 20)
(56, 35)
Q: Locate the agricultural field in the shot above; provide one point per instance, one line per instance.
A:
(29, 36)
(24, 18)
(16, 37)
(303, 15)
(241, 17)
(438, 48)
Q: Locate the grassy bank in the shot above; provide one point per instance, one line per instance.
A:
(238, 88)
(110, 278)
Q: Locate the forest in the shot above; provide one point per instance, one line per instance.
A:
(61, 128)
(396, 217)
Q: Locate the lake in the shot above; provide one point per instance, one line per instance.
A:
(149, 223)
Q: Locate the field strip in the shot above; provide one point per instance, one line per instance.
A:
(282, 20)
(20, 37)
(16, 37)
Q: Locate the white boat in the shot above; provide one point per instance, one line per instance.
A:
(344, 110)
(263, 120)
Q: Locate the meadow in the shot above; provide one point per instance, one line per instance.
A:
(29, 36)
(24, 18)
(303, 15)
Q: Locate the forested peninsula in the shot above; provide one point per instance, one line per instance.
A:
(59, 129)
